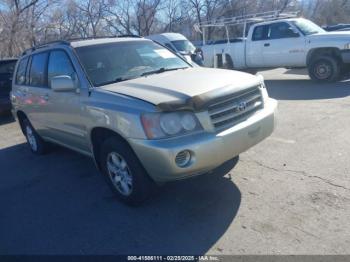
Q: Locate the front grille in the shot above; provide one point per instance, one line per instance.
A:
(236, 108)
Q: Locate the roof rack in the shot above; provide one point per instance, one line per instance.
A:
(57, 42)
(101, 37)
(243, 20)
(68, 41)
(130, 35)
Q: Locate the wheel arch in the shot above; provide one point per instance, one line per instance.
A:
(21, 116)
(97, 136)
(331, 51)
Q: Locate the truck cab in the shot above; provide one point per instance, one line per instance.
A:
(289, 42)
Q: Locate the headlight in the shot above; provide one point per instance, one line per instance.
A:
(163, 125)
(347, 46)
(170, 123)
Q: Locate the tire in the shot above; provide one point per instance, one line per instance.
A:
(229, 62)
(324, 69)
(124, 172)
(36, 144)
(225, 168)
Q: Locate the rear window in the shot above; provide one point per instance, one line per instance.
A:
(21, 71)
(37, 75)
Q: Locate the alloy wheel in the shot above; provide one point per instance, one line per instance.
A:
(119, 173)
(31, 138)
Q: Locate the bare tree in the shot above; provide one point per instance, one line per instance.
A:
(172, 13)
(119, 16)
(24, 23)
(145, 11)
(93, 11)
(12, 21)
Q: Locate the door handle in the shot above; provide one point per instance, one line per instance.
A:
(267, 44)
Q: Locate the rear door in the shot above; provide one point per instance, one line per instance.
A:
(36, 93)
(284, 46)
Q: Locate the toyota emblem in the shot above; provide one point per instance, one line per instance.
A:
(242, 106)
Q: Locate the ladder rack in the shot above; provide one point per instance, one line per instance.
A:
(243, 20)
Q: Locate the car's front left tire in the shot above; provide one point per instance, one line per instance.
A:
(124, 172)
(324, 69)
(36, 143)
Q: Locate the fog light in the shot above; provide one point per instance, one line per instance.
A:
(183, 158)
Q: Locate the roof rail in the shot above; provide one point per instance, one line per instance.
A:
(130, 35)
(101, 37)
(88, 38)
(56, 42)
(68, 41)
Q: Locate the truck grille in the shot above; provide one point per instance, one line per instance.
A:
(236, 108)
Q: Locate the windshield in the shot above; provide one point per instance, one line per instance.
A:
(308, 27)
(184, 46)
(115, 62)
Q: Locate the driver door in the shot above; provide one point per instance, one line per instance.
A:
(284, 46)
(65, 119)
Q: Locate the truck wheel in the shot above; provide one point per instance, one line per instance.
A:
(325, 69)
(37, 145)
(124, 172)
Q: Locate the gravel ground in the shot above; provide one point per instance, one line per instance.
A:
(288, 195)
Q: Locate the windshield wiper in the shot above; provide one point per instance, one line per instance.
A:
(117, 80)
(122, 79)
(161, 70)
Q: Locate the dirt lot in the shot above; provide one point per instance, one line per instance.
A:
(288, 195)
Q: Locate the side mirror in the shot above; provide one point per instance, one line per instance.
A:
(62, 84)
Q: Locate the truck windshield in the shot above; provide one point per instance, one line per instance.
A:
(184, 46)
(121, 61)
(307, 27)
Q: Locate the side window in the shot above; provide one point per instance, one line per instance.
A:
(21, 71)
(59, 65)
(281, 30)
(260, 33)
(37, 75)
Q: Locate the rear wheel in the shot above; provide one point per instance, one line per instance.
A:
(36, 143)
(324, 69)
(124, 172)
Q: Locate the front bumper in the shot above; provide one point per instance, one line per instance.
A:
(345, 54)
(210, 150)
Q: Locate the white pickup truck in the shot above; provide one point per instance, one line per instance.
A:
(289, 43)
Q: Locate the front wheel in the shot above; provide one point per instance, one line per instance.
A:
(124, 172)
(36, 143)
(324, 69)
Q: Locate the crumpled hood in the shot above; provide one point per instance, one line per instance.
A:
(190, 88)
